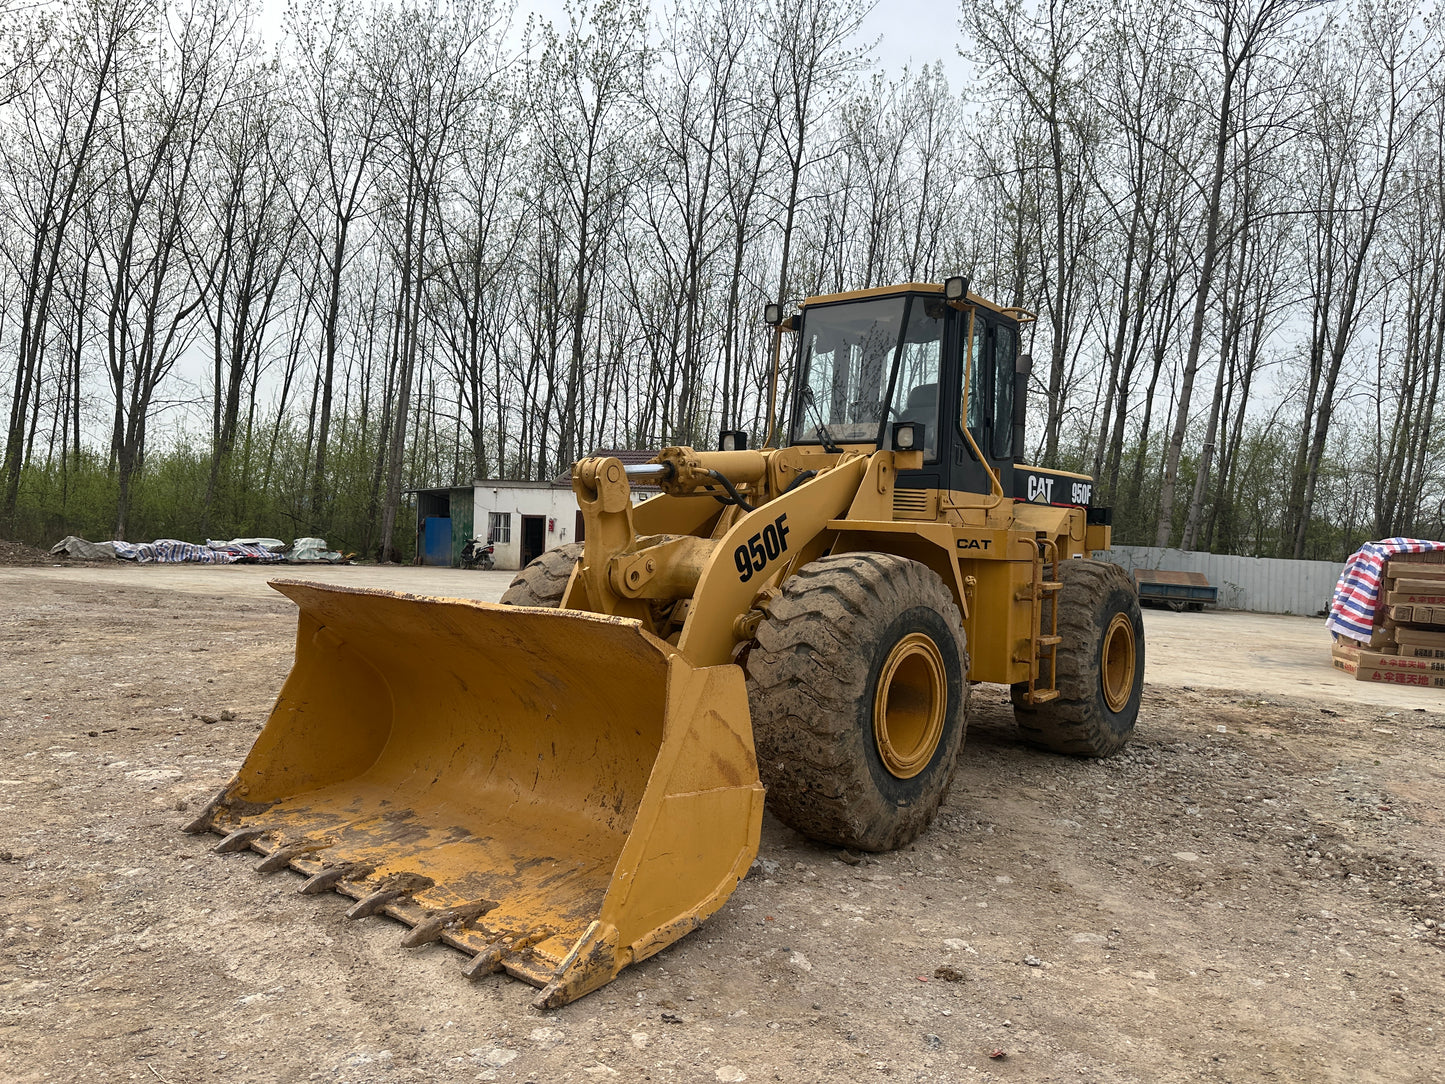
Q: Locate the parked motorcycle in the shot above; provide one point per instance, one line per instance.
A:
(478, 554)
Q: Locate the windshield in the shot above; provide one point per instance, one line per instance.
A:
(848, 355)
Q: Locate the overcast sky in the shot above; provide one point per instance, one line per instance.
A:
(914, 33)
(903, 32)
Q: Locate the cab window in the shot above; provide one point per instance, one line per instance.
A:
(1006, 352)
(846, 356)
(920, 364)
(976, 389)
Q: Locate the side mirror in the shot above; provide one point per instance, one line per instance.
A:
(1023, 367)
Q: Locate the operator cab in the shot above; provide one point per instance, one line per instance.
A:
(869, 359)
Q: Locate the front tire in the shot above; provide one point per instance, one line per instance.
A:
(858, 693)
(544, 581)
(1100, 673)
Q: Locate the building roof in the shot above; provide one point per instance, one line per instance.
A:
(630, 457)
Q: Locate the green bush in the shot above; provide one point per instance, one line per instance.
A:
(262, 489)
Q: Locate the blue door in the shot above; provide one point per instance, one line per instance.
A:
(437, 541)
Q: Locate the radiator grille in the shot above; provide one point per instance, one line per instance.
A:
(912, 504)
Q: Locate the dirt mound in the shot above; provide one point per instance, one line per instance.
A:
(19, 553)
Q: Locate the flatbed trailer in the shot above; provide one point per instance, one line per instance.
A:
(1177, 590)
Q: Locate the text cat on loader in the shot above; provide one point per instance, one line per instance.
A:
(563, 789)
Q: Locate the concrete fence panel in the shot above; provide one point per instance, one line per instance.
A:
(1257, 584)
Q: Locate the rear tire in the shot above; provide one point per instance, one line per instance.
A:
(858, 693)
(544, 581)
(1100, 674)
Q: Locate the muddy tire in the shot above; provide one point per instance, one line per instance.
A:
(856, 684)
(543, 582)
(1100, 665)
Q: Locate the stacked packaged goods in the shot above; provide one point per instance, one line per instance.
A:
(1407, 642)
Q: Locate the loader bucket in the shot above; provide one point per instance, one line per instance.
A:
(558, 794)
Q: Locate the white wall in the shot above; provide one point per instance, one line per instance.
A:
(557, 503)
(1259, 584)
(518, 500)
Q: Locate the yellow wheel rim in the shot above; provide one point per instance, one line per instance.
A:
(909, 706)
(1117, 662)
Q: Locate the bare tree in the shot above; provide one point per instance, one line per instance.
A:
(479, 254)
(1353, 152)
(1410, 355)
(1250, 280)
(1142, 177)
(588, 81)
(149, 202)
(1239, 32)
(337, 103)
(1042, 62)
(62, 116)
(811, 65)
(244, 252)
(431, 67)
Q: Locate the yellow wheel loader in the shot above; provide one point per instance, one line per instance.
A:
(566, 783)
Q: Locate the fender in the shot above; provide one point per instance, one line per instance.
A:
(757, 552)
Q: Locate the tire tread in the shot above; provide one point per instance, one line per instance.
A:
(544, 581)
(806, 678)
(1077, 722)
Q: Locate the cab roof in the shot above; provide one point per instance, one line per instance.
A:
(1023, 316)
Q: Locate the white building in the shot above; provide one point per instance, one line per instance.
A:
(525, 518)
(522, 519)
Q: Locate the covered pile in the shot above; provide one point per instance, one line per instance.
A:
(173, 551)
(1388, 614)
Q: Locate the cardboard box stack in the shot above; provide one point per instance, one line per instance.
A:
(1407, 644)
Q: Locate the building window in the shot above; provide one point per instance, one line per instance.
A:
(499, 527)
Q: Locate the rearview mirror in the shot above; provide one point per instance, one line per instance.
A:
(1023, 367)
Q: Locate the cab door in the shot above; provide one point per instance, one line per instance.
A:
(989, 353)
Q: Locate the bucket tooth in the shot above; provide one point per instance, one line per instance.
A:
(369, 905)
(281, 857)
(397, 886)
(330, 877)
(489, 960)
(206, 819)
(239, 840)
(486, 962)
(432, 928)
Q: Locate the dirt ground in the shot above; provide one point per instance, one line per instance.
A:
(19, 553)
(1252, 892)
